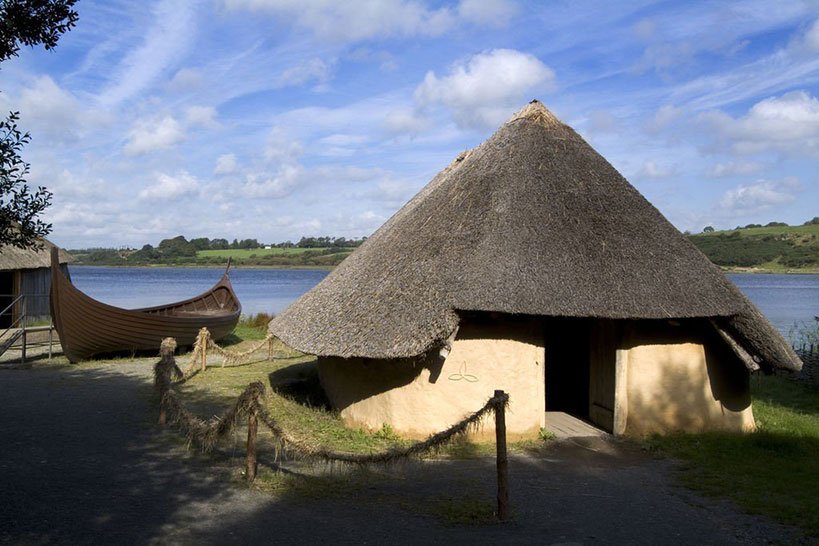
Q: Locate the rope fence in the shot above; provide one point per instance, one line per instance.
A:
(204, 343)
(205, 435)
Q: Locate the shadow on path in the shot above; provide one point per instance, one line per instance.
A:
(83, 462)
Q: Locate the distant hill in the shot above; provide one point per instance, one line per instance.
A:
(775, 248)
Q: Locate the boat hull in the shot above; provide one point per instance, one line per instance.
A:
(88, 327)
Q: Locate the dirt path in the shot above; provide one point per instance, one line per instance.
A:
(83, 463)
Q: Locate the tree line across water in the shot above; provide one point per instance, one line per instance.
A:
(775, 246)
(308, 251)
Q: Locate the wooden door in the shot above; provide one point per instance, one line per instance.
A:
(602, 367)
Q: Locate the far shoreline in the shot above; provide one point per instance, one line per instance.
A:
(765, 271)
(732, 270)
(210, 266)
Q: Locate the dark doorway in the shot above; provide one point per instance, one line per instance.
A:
(567, 366)
(6, 297)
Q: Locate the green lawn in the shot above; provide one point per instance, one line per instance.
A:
(773, 249)
(241, 253)
(774, 471)
(809, 230)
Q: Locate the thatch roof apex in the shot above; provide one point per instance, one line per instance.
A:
(535, 111)
(531, 222)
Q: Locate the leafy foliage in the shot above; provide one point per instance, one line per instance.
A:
(204, 251)
(33, 22)
(29, 23)
(19, 207)
(787, 246)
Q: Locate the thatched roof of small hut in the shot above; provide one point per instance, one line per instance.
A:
(12, 258)
(531, 222)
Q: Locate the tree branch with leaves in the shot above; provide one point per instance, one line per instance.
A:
(25, 23)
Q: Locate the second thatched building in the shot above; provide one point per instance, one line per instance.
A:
(531, 265)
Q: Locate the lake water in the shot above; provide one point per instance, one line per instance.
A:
(785, 299)
(259, 290)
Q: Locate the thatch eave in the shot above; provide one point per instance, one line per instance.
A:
(13, 258)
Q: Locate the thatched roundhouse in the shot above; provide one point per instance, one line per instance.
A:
(531, 265)
(27, 272)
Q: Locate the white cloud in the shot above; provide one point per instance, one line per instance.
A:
(282, 147)
(282, 184)
(393, 193)
(812, 37)
(760, 195)
(51, 111)
(365, 222)
(664, 56)
(185, 79)
(787, 124)
(808, 42)
(485, 90)
(734, 168)
(645, 29)
(385, 59)
(664, 117)
(406, 121)
(354, 20)
(340, 145)
(201, 116)
(651, 169)
(167, 187)
(601, 122)
(167, 40)
(311, 70)
(487, 12)
(225, 164)
(149, 136)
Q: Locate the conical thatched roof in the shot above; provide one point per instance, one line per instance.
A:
(532, 222)
(12, 258)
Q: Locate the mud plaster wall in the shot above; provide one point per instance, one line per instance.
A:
(422, 397)
(690, 386)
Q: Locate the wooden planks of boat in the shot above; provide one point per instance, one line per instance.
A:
(88, 327)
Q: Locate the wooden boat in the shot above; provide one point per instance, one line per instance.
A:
(88, 327)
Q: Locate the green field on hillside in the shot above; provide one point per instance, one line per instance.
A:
(276, 257)
(242, 253)
(774, 248)
(798, 231)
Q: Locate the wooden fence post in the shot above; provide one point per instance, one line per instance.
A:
(502, 462)
(164, 385)
(252, 427)
(163, 413)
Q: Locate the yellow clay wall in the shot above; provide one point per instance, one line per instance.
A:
(674, 386)
(422, 397)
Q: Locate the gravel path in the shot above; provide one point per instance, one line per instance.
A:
(83, 463)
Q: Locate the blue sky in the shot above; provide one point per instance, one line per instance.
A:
(274, 119)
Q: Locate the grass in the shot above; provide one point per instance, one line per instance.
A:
(298, 402)
(250, 327)
(775, 249)
(461, 510)
(774, 471)
(808, 230)
(303, 416)
(241, 253)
